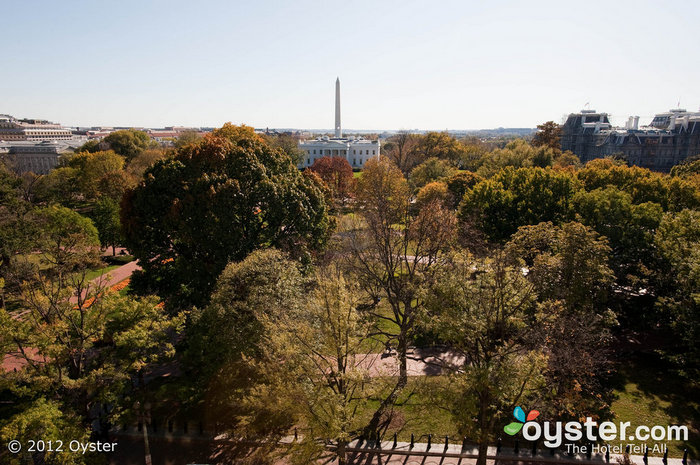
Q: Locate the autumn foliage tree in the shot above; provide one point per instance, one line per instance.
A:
(336, 172)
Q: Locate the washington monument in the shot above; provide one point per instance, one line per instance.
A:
(338, 131)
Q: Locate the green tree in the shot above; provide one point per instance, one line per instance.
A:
(548, 135)
(643, 185)
(442, 146)
(458, 185)
(678, 240)
(105, 215)
(315, 353)
(216, 202)
(288, 144)
(628, 227)
(187, 137)
(518, 197)
(569, 265)
(92, 169)
(228, 330)
(43, 419)
(74, 341)
(128, 142)
(516, 154)
(486, 312)
(432, 169)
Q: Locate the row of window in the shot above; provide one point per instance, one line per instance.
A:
(309, 161)
(342, 152)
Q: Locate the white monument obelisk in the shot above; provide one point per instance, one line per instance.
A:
(338, 131)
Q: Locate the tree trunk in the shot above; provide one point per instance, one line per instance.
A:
(483, 430)
(401, 353)
(114, 250)
(342, 459)
(483, 452)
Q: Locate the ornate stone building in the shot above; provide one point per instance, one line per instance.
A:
(669, 139)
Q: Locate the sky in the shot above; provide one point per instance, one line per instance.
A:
(402, 64)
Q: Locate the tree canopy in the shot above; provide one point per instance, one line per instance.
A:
(214, 202)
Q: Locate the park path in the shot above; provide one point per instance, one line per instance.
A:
(110, 278)
(419, 362)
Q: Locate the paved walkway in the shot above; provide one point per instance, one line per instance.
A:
(111, 278)
(419, 362)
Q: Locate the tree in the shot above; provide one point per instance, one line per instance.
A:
(105, 215)
(75, 341)
(187, 137)
(548, 135)
(288, 144)
(433, 193)
(485, 311)
(315, 353)
(516, 154)
(678, 240)
(687, 167)
(144, 160)
(43, 419)
(643, 185)
(128, 142)
(569, 265)
(61, 185)
(458, 185)
(518, 197)
(402, 149)
(94, 169)
(628, 227)
(442, 146)
(216, 202)
(432, 169)
(395, 251)
(336, 172)
(228, 330)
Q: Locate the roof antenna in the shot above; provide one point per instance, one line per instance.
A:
(587, 106)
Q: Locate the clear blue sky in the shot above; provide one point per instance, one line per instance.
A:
(402, 64)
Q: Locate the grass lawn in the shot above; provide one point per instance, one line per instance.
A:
(356, 174)
(648, 394)
(92, 274)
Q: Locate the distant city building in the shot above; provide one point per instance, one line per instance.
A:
(13, 129)
(356, 150)
(36, 157)
(669, 139)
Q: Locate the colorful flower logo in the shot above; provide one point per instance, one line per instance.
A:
(514, 427)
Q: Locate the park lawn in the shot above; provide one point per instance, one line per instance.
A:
(96, 273)
(647, 393)
(357, 174)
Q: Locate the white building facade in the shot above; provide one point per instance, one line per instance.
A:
(355, 150)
